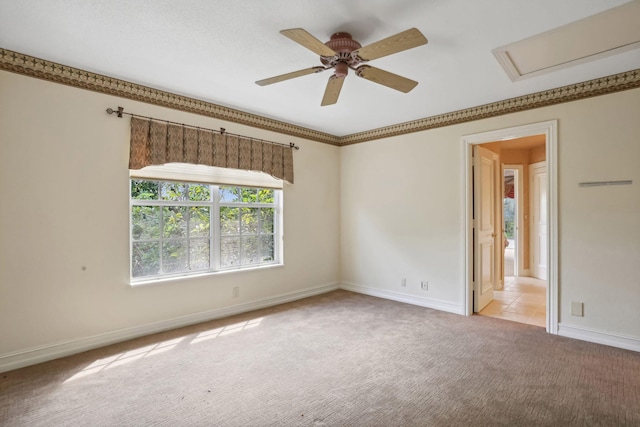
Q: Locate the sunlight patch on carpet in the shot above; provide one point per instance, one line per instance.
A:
(126, 357)
(227, 330)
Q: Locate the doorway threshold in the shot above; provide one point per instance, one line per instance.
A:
(522, 300)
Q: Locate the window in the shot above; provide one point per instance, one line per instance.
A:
(180, 228)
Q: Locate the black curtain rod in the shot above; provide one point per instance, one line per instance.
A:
(222, 131)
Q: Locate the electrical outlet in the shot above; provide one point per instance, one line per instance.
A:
(424, 285)
(236, 292)
(403, 282)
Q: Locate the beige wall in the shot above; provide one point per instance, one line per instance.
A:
(64, 224)
(366, 215)
(402, 212)
(537, 154)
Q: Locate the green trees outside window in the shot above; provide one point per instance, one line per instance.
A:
(509, 212)
(179, 227)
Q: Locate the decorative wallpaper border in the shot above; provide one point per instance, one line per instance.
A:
(573, 92)
(58, 73)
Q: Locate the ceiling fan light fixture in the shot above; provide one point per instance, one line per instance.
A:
(342, 69)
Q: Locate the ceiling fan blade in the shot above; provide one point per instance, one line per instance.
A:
(288, 76)
(402, 41)
(302, 37)
(386, 78)
(331, 93)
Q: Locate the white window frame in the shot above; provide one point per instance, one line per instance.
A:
(215, 178)
(277, 227)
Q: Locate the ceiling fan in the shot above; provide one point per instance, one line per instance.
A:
(341, 52)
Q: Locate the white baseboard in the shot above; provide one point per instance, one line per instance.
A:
(409, 299)
(32, 356)
(599, 337)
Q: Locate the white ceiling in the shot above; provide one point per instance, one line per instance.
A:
(214, 50)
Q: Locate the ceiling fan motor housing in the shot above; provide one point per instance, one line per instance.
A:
(343, 44)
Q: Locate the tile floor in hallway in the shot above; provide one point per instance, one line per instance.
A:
(523, 300)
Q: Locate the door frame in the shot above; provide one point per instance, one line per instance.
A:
(550, 130)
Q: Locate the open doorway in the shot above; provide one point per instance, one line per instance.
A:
(500, 271)
(522, 298)
(503, 291)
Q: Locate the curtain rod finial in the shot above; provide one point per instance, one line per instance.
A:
(119, 112)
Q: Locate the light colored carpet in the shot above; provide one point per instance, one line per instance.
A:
(338, 359)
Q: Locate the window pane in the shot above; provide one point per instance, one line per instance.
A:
(229, 220)
(145, 259)
(266, 220)
(229, 194)
(199, 193)
(249, 223)
(266, 248)
(249, 195)
(173, 191)
(199, 257)
(144, 190)
(199, 221)
(145, 222)
(265, 196)
(168, 240)
(175, 221)
(174, 256)
(250, 250)
(229, 251)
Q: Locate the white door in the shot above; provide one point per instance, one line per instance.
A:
(538, 173)
(485, 184)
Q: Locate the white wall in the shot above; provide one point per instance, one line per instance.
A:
(64, 223)
(402, 213)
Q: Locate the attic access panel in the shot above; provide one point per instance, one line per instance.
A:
(607, 33)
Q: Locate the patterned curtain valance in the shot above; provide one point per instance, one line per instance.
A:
(156, 143)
